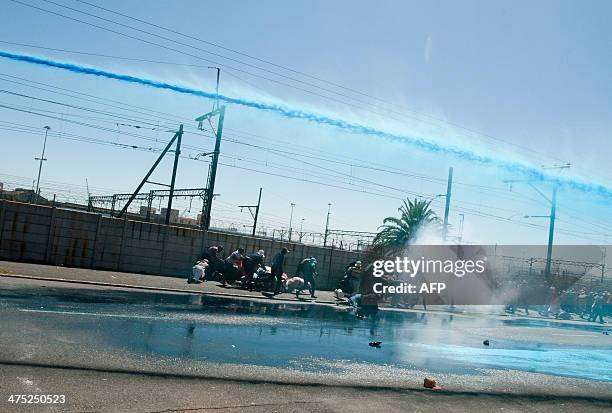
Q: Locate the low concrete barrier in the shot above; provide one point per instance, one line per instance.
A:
(55, 236)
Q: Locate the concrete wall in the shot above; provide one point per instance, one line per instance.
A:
(55, 236)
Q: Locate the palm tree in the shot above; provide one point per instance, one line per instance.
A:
(396, 233)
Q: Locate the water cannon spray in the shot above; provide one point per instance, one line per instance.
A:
(531, 172)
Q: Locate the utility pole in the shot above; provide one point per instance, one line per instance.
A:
(212, 174)
(291, 221)
(257, 212)
(212, 169)
(41, 159)
(552, 216)
(255, 215)
(177, 136)
(449, 186)
(216, 103)
(177, 154)
(327, 225)
(551, 230)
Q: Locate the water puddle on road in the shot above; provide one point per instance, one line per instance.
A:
(252, 332)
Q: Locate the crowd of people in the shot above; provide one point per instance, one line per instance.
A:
(588, 305)
(591, 305)
(250, 272)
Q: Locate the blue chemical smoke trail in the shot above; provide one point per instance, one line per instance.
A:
(530, 172)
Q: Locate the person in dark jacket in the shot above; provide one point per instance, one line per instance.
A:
(278, 263)
(253, 261)
(215, 263)
(213, 251)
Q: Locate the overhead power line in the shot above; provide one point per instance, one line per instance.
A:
(403, 192)
(327, 156)
(250, 56)
(230, 140)
(198, 148)
(226, 66)
(317, 78)
(284, 153)
(577, 234)
(387, 112)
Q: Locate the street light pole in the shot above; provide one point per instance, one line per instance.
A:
(41, 159)
(291, 220)
(462, 215)
(553, 210)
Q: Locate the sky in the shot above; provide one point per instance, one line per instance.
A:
(527, 81)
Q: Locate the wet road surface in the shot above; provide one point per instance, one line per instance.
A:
(114, 330)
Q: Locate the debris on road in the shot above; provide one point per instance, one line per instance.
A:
(430, 383)
(486, 342)
(375, 344)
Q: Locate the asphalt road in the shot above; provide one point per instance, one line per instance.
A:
(110, 349)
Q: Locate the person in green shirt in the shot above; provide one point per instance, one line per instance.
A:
(308, 270)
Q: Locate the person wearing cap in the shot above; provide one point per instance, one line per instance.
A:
(308, 269)
(278, 263)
